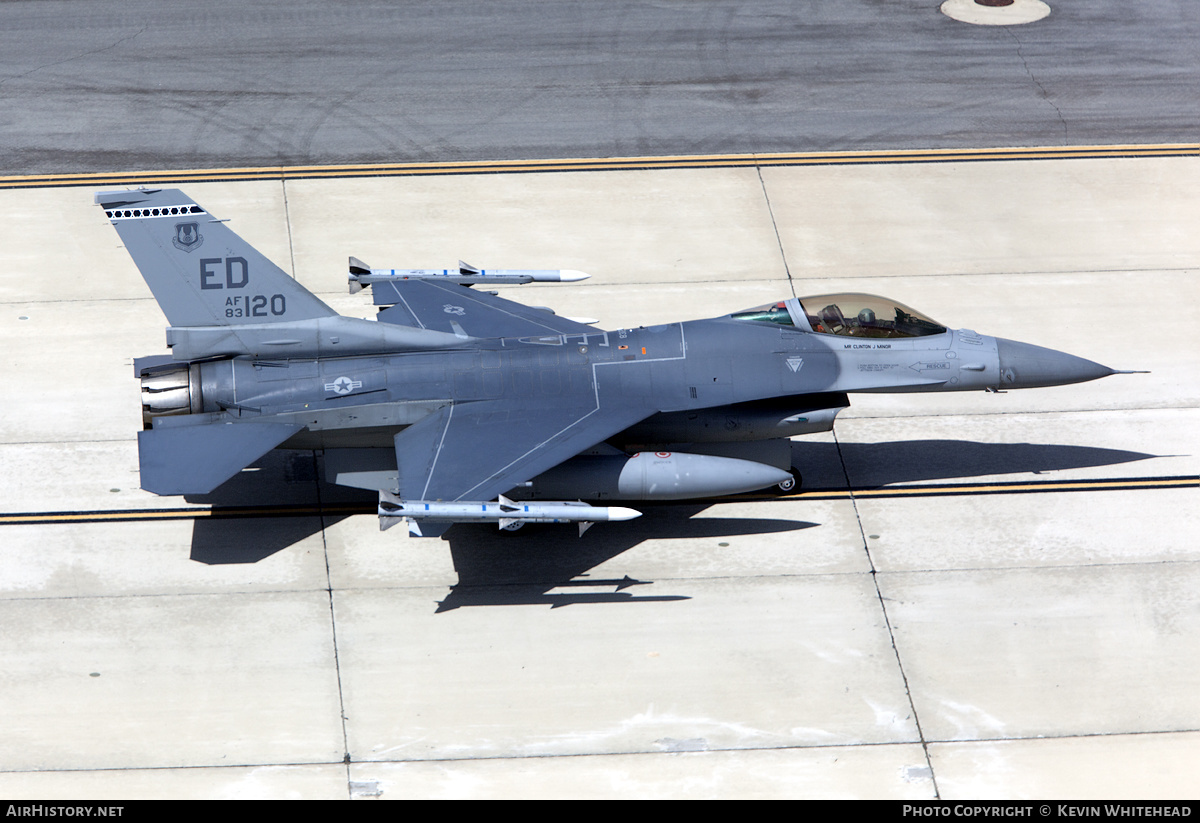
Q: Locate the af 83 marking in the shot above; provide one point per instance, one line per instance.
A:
(255, 305)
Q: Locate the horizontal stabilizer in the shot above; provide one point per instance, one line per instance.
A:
(196, 459)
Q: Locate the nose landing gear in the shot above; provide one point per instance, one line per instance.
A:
(792, 484)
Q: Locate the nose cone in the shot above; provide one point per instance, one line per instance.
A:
(1023, 366)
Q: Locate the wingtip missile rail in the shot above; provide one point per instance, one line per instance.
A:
(361, 275)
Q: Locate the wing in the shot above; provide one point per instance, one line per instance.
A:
(448, 307)
(475, 451)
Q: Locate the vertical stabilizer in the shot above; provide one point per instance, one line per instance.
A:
(200, 271)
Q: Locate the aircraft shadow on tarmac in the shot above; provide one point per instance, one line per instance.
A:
(276, 483)
(525, 567)
(549, 564)
(872, 465)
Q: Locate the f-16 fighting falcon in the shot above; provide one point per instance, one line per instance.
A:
(456, 405)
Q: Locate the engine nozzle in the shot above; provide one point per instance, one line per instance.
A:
(170, 390)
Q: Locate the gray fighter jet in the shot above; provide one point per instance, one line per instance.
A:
(460, 406)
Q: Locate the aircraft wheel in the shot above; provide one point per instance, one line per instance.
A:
(512, 527)
(791, 484)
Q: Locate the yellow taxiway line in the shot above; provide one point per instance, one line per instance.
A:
(935, 490)
(701, 161)
(1037, 487)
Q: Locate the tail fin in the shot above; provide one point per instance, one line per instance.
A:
(200, 271)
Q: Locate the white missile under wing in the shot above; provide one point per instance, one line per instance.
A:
(475, 450)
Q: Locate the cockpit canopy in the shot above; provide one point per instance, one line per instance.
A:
(847, 315)
(866, 315)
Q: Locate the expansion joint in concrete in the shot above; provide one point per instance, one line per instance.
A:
(775, 228)
(287, 219)
(912, 706)
(337, 666)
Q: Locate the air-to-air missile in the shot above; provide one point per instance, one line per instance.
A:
(506, 513)
(465, 275)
